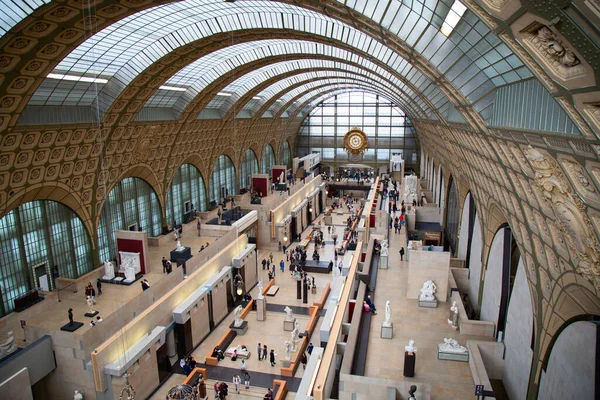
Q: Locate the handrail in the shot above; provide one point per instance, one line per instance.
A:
(74, 289)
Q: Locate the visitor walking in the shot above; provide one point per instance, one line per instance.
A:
(304, 360)
(247, 380)
(99, 286)
(271, 257)
(198, 226)
(282, 266)
(265, 352)
(272, 357)
(258, 350)
(310, 348)
(236, 383)
(402, 254)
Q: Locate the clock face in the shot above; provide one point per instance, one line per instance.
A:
(355, 141)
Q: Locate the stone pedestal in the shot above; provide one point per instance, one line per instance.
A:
(289, 325)
(383, 262)
(90, 315)
(71, 327)
(240, 330)
(428, 304)
(387, 332)
(261, 309)
(409, 364)
(286, 363)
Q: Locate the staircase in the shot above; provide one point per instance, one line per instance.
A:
(254, 392)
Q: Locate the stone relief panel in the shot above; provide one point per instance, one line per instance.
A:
(543, 228)
(580, 180)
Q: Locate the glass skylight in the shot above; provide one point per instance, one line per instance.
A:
(454, 15)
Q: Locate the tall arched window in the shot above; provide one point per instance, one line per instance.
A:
(249, 167)
(222, 183)
(187, 191)
(268, 159)
(286, 155)
(38, 236)
(130, 205)
(452, 217)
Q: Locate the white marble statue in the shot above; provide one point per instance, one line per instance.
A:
(179, 246)
(384, 248)
(410, 189)
(130, 265)
(289, 314)
(9, 346)
(288, 349)
(260, 289)
(451, 346)
(411, 348)
(109, 270)
(129, 273)
(78, 395)
(453, 310)
(428, 291)
(90, 304)
(238, 321)
(295, 336)
(388, 314)
(281, 178)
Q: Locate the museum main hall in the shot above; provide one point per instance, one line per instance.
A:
(299, 199)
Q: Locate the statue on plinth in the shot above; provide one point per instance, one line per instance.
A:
(260, 289)
(238, 321)
(411, 348)
(453, 317)
(78, 395)
(179, 247)
(388, 314)
(384, 248)
(288, 348)
(411, 392)
(451, 346)
(289, 314)
(109, 270)
(90, 304)
(9, 346)
(70, 316)
(295, 336)
(428, 291)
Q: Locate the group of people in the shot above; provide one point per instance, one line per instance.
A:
(187, 364)
(167, 266)
(263, 352)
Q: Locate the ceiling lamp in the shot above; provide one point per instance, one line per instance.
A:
(356, 142)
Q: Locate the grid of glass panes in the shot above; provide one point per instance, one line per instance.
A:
(249, 166)
(268, 159)
(187, 186)
(286, 154)
(387, 128)
(223, 176)
(133, 204)
(40, 232)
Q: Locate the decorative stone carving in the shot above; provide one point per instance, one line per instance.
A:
(289, 314)
(428, 291)
(9, 346)
(411, 348)
(451, 346)
(130, 265)
(410, 189)
(238, 320)
(570, 213)
(553, 265)
(109, 270)
(580, 179)
(388, 314)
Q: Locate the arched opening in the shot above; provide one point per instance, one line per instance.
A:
(186, 194)
(501, 270)
(286, 154)
(452, 218)
(268, 160)
(41, 240)
(130, 205)
(249, 166)
(222, 182)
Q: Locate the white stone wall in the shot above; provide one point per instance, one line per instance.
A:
(463, 240)
(492, 283)
(475, 263)
(519, 327)
(571, 367)
(442, 199)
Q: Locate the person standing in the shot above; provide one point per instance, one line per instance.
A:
(164, 264)
(304, 360)
(264, 263)
(273, 270)
(247, 380)
(265, 352)
(236, 383)
(272, 357)
(402, 254)
(282, 266)
(271, 257)
(198, 226)
(99, 286)
(310, 348)
(258, 350)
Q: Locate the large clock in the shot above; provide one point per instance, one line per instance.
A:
(355, 142)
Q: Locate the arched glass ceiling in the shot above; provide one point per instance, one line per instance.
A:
(124, 49)
(242, 86)
(199, 74)
(13, 11)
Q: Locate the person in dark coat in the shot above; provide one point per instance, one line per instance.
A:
(272, 357)
(402, 254)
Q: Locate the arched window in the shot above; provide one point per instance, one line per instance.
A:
(286, 155)
(268, 159)
(40, 238)
(186, 192)
(130, 205)
(249, 167)
(222, 183)
(452, 218)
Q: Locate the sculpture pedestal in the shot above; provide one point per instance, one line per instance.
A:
(90, 315)
(383, 262)
(428, 304)
(409, 364)
(289, 325)
(261, 309)
(71, 327)
(387, 332)
(441, 355)
(240, 330)
(182, 255)
(287, 363)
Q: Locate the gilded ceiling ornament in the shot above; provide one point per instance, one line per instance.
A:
(356, 142)
(570, 213)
